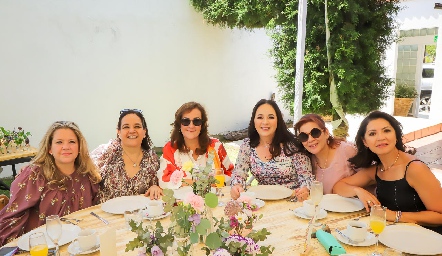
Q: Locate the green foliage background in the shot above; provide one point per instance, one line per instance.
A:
(360, 33)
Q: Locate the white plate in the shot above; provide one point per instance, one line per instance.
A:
(270, 192)
(337, 203)
(370, 239)
(121, 204)
(412, 239)
(259, 203)
(164, 215)
(68, 234)
(74, 249)
(301, 214)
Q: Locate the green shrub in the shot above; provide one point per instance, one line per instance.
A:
(403, 90)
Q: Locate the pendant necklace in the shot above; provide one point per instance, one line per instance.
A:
(326, 160)
(397, 157)
(134, 162)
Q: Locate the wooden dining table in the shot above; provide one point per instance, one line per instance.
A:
(288, 231)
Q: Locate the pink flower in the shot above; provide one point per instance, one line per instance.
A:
(245, 199)
(197, 202)
(176, 179)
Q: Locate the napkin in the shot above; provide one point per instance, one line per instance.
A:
(331, 245)
(108, 242)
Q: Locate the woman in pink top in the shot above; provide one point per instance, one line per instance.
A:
(329, 154)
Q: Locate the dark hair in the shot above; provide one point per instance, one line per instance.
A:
(146, 144)
(282, 134)
(176, 137)
(365, 157)
(332, 142)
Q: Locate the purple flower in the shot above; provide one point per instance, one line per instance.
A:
(196, 219)
(156, 251)
(221, 252)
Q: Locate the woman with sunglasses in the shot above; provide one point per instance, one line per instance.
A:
(405, 185)
(271, 154)
(61, 179)
(128, 164)
(328, 154)
(190, 143)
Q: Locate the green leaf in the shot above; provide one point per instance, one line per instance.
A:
(213, 241)
(194, 238)
(211, 200)
(203, 226)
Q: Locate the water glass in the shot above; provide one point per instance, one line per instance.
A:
(37, 244)
(316, 194)
(54, 230)
(219, 176)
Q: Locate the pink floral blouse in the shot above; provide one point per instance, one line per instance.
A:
(115, 182)
(31, 201)
(293, 171)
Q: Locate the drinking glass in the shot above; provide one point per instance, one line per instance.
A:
(53, 229)
(316, 193)
(378, 216)
(219, 176)
(37, 244)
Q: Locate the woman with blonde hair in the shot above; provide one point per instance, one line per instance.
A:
(61, 179)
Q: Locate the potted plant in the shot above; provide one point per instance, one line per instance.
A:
(404, 96)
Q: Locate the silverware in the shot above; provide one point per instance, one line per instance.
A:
(346, 237)
(100, 218)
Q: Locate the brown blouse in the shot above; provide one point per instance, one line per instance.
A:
(115, 182)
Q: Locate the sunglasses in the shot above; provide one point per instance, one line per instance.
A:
(196, 121)
(315, 133)
(131, 109)
(65, 124)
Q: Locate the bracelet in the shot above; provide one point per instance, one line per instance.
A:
(398, 216)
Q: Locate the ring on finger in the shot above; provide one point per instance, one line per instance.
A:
(369, 202)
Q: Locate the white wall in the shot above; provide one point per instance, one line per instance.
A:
(85, 60)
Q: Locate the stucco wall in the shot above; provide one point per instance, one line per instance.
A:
(85, 60)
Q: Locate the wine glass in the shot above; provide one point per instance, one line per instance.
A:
(316, 193)
(53, 229)
(37, 244)
(378, 216)
(219, 176)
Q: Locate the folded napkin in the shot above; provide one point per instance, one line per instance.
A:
(331, 245)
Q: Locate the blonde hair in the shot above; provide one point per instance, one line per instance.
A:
(83, 163)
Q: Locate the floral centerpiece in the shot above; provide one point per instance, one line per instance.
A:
(154, 241)
(13, 139)
(238, 238)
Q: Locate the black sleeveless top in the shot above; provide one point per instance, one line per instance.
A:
(398, 195)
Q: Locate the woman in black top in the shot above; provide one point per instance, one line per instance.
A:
(405, 185)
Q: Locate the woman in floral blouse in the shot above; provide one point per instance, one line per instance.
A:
(61, 179)
(128, 164)
(271, 154)
(190, 143)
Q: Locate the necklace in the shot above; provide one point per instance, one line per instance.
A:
(397, 157)
(326, 161)
(134, 162)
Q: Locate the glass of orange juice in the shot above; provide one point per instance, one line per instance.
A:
(378, 215)
(37, 244)
(219, 176)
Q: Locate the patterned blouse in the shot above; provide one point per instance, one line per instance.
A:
(290, 171)
(172, 160)
(115, 182)
(32, 200)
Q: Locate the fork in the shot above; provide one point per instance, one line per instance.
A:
(70, 220)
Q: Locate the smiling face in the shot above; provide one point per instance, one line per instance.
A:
(192, 131)
(380, 137)
(314, 145)
(266, 121)
(64, 147)
(131, 131)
